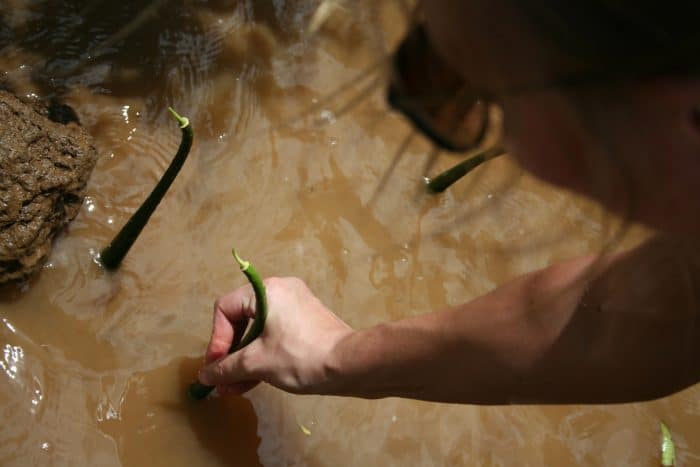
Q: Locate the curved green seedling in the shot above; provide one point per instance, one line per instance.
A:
(197, 390)
(443, 181)
(112, 256)
(668, 449)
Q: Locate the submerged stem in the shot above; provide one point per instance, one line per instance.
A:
(197, 390)
(112, 256)
(450, 176)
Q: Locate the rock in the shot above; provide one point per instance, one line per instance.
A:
(44, 168)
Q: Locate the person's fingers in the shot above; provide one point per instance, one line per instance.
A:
(221, 337)
(238, 304)
(235, 368)
(238, 330)
(236, 388)
(224, 336)
(231, 313)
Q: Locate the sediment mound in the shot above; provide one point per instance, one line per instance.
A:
(45, 161)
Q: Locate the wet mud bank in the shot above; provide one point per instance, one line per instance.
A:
(45, 162)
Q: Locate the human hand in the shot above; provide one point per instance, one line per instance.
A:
(294, 351)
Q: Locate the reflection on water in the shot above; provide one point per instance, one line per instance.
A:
(13, 357)
(94, 364)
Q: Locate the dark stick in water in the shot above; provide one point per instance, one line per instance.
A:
(443, 181)
(112, 256)
(197, 390)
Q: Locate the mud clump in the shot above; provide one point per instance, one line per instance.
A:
(45, 161)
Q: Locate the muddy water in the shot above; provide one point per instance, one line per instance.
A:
(95, 364)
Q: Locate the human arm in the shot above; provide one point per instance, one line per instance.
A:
(615, 330)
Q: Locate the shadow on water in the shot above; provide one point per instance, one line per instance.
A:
(155, 412)
(13, 291)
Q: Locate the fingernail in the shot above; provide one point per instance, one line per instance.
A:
(204, 376)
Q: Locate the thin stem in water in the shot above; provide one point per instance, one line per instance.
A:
(450, 176)
(668, 449)
(112, 256)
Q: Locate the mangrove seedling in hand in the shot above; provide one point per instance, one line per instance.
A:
(443, 181)
(198, 390)
(112, 256)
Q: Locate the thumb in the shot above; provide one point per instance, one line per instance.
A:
(243, 365)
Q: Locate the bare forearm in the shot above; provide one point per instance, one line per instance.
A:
(410, 359)
(476, 353)
(535, 339)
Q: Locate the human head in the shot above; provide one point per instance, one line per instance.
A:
(633, 144)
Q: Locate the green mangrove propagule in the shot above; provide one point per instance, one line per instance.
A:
(443, 181)
(112, 256)
(198, 390)
(668, 449)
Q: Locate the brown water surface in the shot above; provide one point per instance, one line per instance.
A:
(94, 365)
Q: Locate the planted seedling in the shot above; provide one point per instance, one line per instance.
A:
(447, 178)
(112, 256)
(198, 390)
(668, 449)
